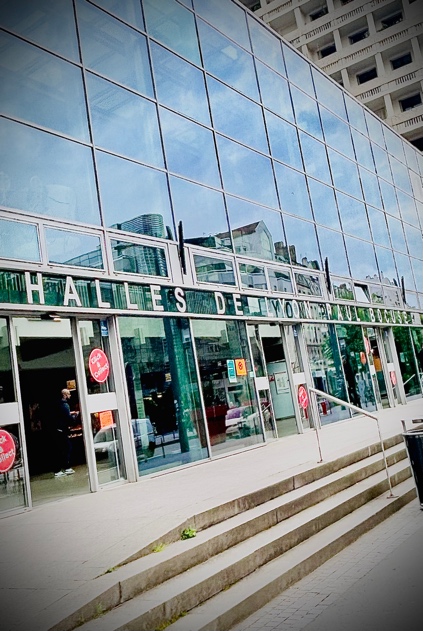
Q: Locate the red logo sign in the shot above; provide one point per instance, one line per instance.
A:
(303, 397)
(99, 365)
(7, 451)
(393, 378)
(241, 367)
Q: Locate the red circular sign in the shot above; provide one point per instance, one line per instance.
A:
(303, 397)
(393, 378)
(99, 365)
(367, 345)
(7, 451)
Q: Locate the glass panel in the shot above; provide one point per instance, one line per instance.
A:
(274, 92)
(174, 26)
(252, 276)
(345, 175)
(92, 341)
(329, 94)
(107, 446)
(129, 11)
(106, 46)
(189, 148)
(363, 150)
(326, 369)
(48, 175)
(369, 183)
(408, 208)
(280, 280)
(382, 163)
(266, 46)
(407, 361)
(397, 234)
(342, 289)
(210, 270)
(356, 367)
(379, 227)
(133, 198)
(332, 246)
(293, 193)
(388, 273)
(298, 70)
(228, 61)
(283, 140)
(404, 269)
(390, 202)
(315, 158)
(256, 231)
(73, 248)
(13, 490)
(19, 240)
(394, 144)
(225, 16)
(237, 164)
(417, 341)
(324, 204)
(231, 406)
(7, 389)
(308, 285)
(165, 404)
(353, 216)
(376, 294)
(376, 368)
(302, 242)
(411, 157)
(375, 129)
(180, 85)
(203, 214)
(417, 268)
(400, 175)
(41, 88)
(50, 24)
(306, 113)
(123, 122)
(355, 114)
(337, 133)
(362, 259)
(138, 259)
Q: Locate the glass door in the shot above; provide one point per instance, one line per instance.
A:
(376, 365)
(262, 382)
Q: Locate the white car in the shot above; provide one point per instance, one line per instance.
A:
(105, 441)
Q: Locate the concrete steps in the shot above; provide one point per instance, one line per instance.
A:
(314, 513)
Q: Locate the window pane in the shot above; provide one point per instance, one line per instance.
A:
(274, 92)
(362, 259)
(225, 16)
(337, 133)
(138, 259)
(344, 173)
(324, 204)
(266, 46)
(353, 216)
(203, 214)
(370, 188)
(226, 60)
(50, 24)
(41, 88)
(180, 85)
(385, 259)
(283, 140)
(375, 129)
(209, 270)
(355, 114)
(107, 44)
(308, 285)
(174, 26)
(73, 248)
(382, 163)
(400, 175)
(306, 113)
(397, 234)
(332, 246)
(379, 227)
(133, 198)
(19, 240)
(252, 276)
(189, 148)
(315, 158)
(390, 202)
(129, 11)
(292, 191)
(302, 242)
(363, 150)
(415, 241)
(404, 269)
(329, 94)
(124, 122)
(48, 175)
(280, 281)
(299, 70)
(417, 268)
(238, 164)
(394, 144)
(408, 208)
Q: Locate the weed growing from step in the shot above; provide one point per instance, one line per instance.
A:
(188, 533)
(159, 547)
(167, 623)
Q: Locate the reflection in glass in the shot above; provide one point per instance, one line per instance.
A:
(237, 164)
(107, 446)
(417, 342)
(382, 163)
(225, 16)
(138, 259)
(174, 26)
(389, 198)
(280, 280)
(397, 234)
(329, 94)
(388, 273)
(308, 285)
(283, 140)
(227, 61)
(376, 294)
(189, 148)
(13, 492)
(355, 366)
(67, 247)
(337, 133)
(400, 175)
(266, 46)
(213, 270)
(203, 214)
(342, 289)
(306, 113)
(274, 91)
(92, 340)
(332, 246)
(417, 268)
(19, 240)
(394, 144)
(404, 269)
(133, 197)
(41, 88)
(409, 366)
(345, 174)
(7, 389)
(369, 183)
(324, 204)
(298, 69)
(379, 227)
(293, 192)
(362, 259)
(355, 114)
(363, 150)
(252, 276)
(302, 242)
(315, 158)
(124, 122)
(374, 127)
(408, 208)
(129, 11)
(164, 398)
(47, 175)
(392, 297)
(353, 216)
(232, 413)
(107, 44)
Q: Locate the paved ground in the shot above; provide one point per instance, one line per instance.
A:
(376, 583)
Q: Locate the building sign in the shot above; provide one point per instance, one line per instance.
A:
(230, 365)
(241, 367)
(7, 451)
(98, 365)
(105, 297)
(303, 397)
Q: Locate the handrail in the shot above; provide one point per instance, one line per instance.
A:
(355, 408)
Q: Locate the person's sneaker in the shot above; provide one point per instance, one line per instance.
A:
(69, 471)
(59, 474)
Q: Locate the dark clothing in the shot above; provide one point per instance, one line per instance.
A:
(63, 444)
(64, 417)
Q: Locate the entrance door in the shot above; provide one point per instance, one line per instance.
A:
(376, 363)
(46, 366)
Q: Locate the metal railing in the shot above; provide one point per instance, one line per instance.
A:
(355, 408)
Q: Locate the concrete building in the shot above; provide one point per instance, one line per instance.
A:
(373, 49)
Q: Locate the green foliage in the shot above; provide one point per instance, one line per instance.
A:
(159, 547)
(188, 533)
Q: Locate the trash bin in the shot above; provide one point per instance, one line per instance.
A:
(414, 443)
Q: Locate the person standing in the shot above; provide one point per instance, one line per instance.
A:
(64, 420)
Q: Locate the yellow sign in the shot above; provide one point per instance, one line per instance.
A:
(241, 367)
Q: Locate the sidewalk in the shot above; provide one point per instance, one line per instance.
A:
(56, 548)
